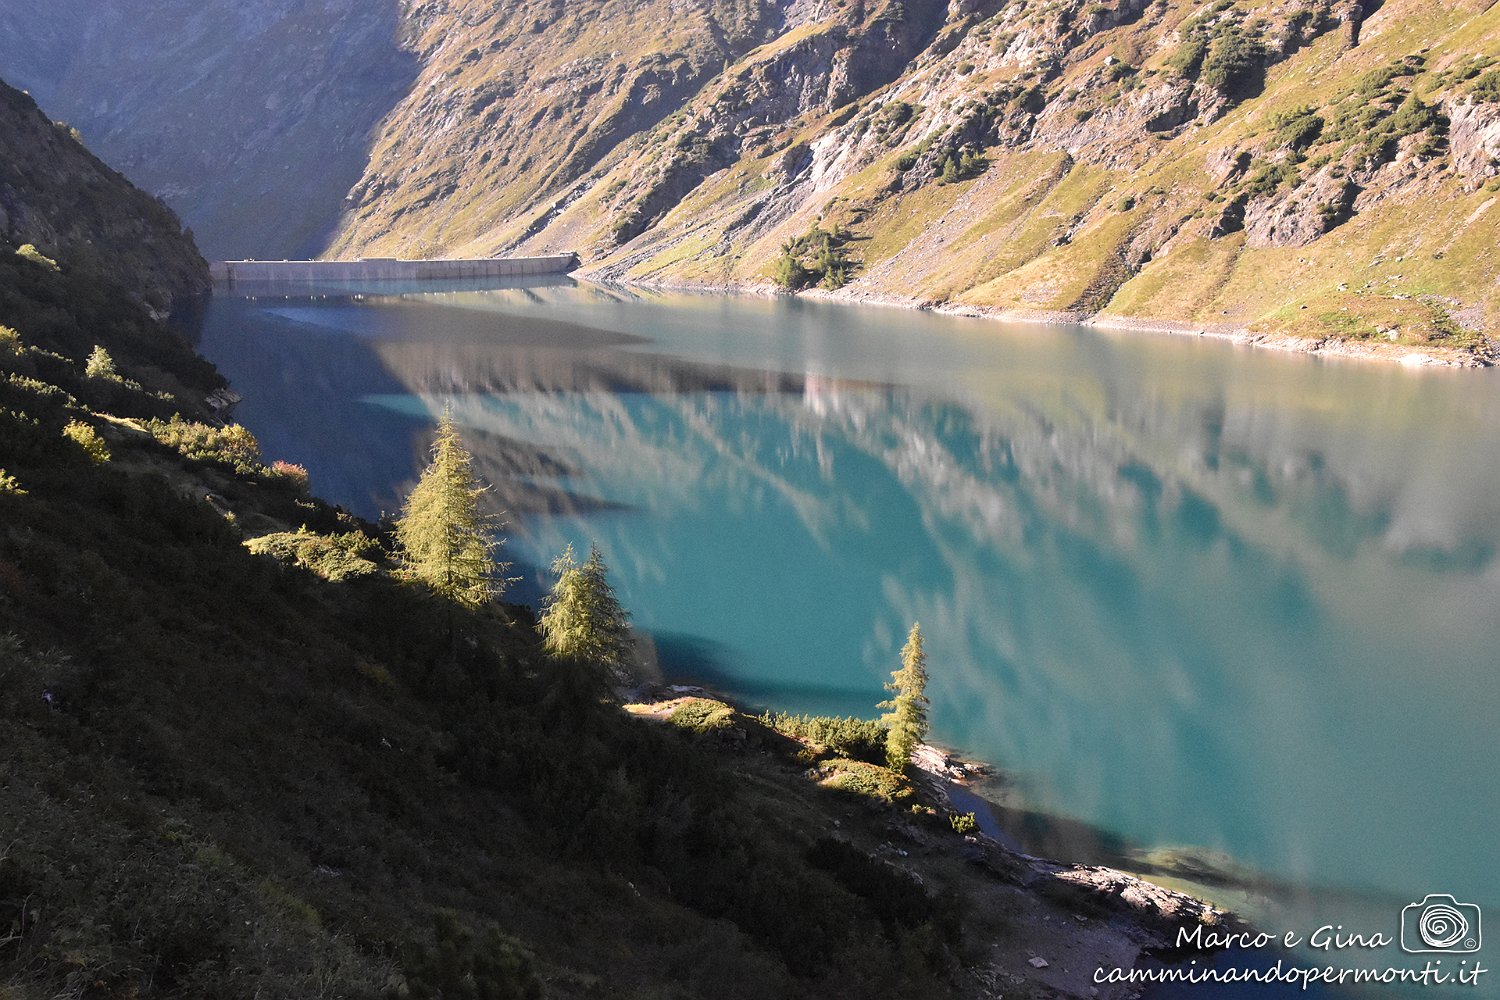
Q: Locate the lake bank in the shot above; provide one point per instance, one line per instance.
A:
(1065, 922)
(1426, 356)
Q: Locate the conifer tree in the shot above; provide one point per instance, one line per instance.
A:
(100, 365)
(583, 620)
(906, 720)
(443, 537)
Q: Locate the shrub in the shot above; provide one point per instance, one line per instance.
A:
(289, 473)
(817, 257)
(1188, 59)
(963, 823)
(895, 896)
(1234, 65)
(10, 340)
(1486, 89)
(9, 484)
(333, 557)
(88, 439)
(31, 253)
(1296, 129)
(702, 715)
(858, 739)
(484, 966)
(964, 166)
(867, 780)
(231, 445)
(1269, 179)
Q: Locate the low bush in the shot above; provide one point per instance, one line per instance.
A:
(232, 445)
(857, 739)
(871, 781)
(332, 557)
(702, 715)
(88, 439)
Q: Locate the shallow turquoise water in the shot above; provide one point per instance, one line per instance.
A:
(1196, 596)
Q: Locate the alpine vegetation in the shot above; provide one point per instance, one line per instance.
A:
(906, 718)
(444, 539)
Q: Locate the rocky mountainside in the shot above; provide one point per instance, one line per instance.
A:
(251, 119)
(1316, 169)
(60, 199)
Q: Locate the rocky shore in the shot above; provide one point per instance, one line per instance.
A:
(1328, 347)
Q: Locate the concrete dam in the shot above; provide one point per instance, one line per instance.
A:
(235, 272)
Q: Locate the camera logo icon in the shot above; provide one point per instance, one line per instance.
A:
(1440, 923)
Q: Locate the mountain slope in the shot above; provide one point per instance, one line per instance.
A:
(1320, 169)
(251, 119)
(56, 196)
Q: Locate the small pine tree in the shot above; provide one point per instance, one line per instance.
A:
(100, 365)
(906, 720)
(950, 171)
(443, 537)
(583, 620)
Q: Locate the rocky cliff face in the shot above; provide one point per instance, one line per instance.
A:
(58, 197)
(1323, 169)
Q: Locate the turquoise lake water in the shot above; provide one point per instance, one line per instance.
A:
(1234, 612)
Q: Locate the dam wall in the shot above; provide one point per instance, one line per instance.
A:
(234, 272)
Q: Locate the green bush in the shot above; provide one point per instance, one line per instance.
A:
(332, 557)
(963, 166)
(963, 823)
(1235, 63)
(463, 965)
(896, 897)
(817, 257)
(9, 484)
(1270, 178)
(231, 445)
(1486, 88)
(871, 781)
(1296, 129)
(858, 739)
(1187, 60)
(702, 715)
(88, 439)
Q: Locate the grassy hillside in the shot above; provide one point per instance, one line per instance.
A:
(1317, 169)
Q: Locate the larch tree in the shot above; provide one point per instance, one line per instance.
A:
(443, 538)
(101, 365)
(906, 716)
(583, 620)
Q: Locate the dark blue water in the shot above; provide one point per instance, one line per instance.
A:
(1231, 610)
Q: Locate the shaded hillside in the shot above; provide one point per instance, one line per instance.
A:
(251, 119)
(55, 195)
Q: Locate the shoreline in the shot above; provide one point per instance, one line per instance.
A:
(1076, 916)
(1328, 347)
